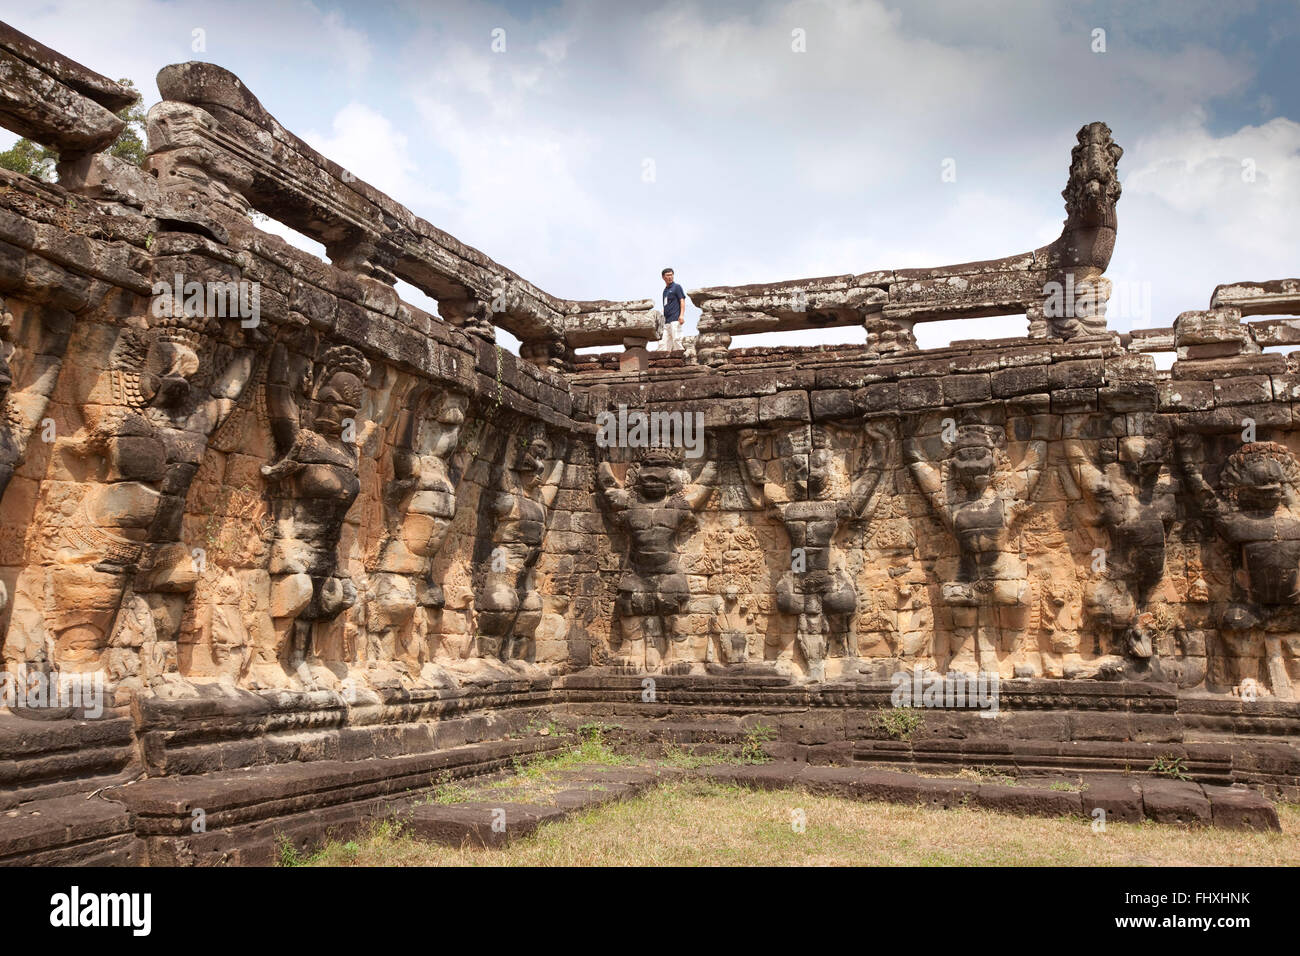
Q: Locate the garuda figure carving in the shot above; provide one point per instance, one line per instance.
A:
(656, 507)
(798, 485)
(21, 410)
(136, 458)
(1135, 514)
(981, 500)
(523, 490)
(419, 505)
(1256, 510)
(313, 483)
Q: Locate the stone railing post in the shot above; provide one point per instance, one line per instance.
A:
(888, 335)
(636, 354)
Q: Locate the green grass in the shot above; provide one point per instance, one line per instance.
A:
(590, 751)
(696, 823)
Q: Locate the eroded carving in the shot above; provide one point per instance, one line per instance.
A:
(798, 482)
(117, 569)
(656, 506)
(312, 482)
(523, 490)
(981, 499)
(1255, 510)
(734, 627)
(419, 505)
(22, 410)
(1133, 512)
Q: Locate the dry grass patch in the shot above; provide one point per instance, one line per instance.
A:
(694, 823)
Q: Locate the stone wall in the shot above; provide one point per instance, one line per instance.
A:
(1094, 552)
(230, 466)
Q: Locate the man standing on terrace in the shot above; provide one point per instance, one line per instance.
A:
(673, 316)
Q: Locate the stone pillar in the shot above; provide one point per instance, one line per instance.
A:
(1073, 304)
(635, 357)
(889, 335)
(551, 353)
(362, 254)
(191, 175)
(1213, 333)
(472, 315)
(711, 348)
(104, 177)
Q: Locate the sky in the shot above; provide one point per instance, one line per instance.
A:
(588, 145)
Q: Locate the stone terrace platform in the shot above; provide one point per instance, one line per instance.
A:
(258, 769)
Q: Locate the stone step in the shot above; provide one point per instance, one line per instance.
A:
(1207, 763)
(45, 755)
(80, 830)
(1124, 798)
(236, 729)
(496, 823)
(485, 820)
(241, 816)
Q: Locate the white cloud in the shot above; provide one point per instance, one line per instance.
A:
(293, 237)
(555, 47)
(350, 44)
(370, 147)
(1190, 221)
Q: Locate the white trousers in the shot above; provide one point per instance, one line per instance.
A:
(669, 341)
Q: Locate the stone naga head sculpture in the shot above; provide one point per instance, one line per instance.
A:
(1078, 290)
(1093, 188)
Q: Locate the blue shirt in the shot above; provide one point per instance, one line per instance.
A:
(673, 296)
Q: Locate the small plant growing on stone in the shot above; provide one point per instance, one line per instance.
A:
(548, 729)
(1168, 765)
(287, 852)
(899, 723)
(593, 733)
(751, 751)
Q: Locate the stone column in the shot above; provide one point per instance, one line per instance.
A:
(889, 335)
(553, 353)
(636, 356)
(471, 315)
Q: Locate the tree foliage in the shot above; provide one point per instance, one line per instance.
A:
(31, 159)
(129, 145)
